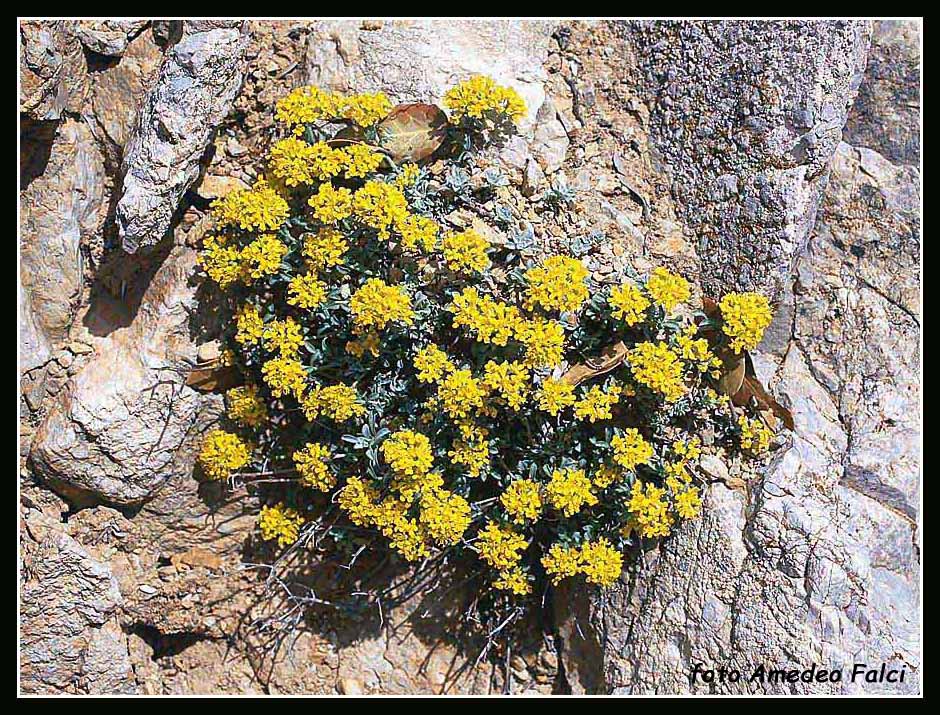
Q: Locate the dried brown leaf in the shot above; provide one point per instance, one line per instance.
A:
(412, 132)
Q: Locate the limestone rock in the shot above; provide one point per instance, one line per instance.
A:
(59, 209)
(120, 429)
(886, 115)
(764, 102)
(53, 71)
(107, 37)
(343, 56)
(192, 95)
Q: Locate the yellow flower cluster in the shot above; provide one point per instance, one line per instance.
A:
(628, 304)
(510, 380)
(309, 105)
(432, 364)
(262, 257)
(557, 284)
(313, 468)
(460, 393)
(745, 317)
(490, 321)
(306, 291)
(696, 352)
(667, 288)
(418, 230)
(221, 260)
(249, 325)
(631, 450)
(471, 450)
(283, 336)
(330, 204)
(569, 490)
(480, 96)
(555, 395)
(376, 304)
(649, 511)
(285, 376)
(281, 523)
(380, 206)
(408, 453)
(246, 406)
(409, 175)
(522, 500)
(324, 249)
(465, 251)
(658, 367)
(544, 341)
(338, 402)
(755, 436)
(223, 453)
(445, 515)
(515, 580)
(297, 163)
(599, 561)
(597, 404)
(260, 208)
(500, 547)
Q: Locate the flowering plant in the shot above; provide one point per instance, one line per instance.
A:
(409, 377)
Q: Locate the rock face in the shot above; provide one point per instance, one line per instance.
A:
(886, 115)
(194, 92)
(817, 561)
(346, 56)
(746, 116)
(118, 431)
(52, 70)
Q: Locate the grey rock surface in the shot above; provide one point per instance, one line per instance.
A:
(746, 116)
(60, 208)
(818, 560)
(107, 37)
(886, 115)
(194, 92)
(70, 639)
(123, 426)
(53, 71)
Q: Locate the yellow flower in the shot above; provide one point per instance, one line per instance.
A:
(471, 450)
(568, 490)
(555, 396)
(339, 402)
(405, 535)
(262, 257)
(687, 451)
(514, 580)
(544, 341)
(658, 367)
(631, 450)
(408, 176)
(688, 503)
(557, 284)
(509, 379)
(479, 97)
(297, 163)
(376, 304)
(223, 453)
(283, 336)
(745, 317)
(416, 230)
(522, 500)
(331, 205)
(307, 105)
(324, 249)
(695, 351)
(629, 304)
(460, 394)
(445, 515)
(249, 325)
(490, 321)
(607, 475)
(649, 512)
(359, 501)
(561, 562)
(366, 109)
(246, 406)
(312, 466)
(281, 523)
(259, 208)
(755, 436)
(360, 160)
(466, 251)
(408, 453)
(221, 261)
(380, 206)
(667, 288)
(597, 404)
(432, 364)
(306, 291)
(500, 547)
(601, 564)
(285, 376)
